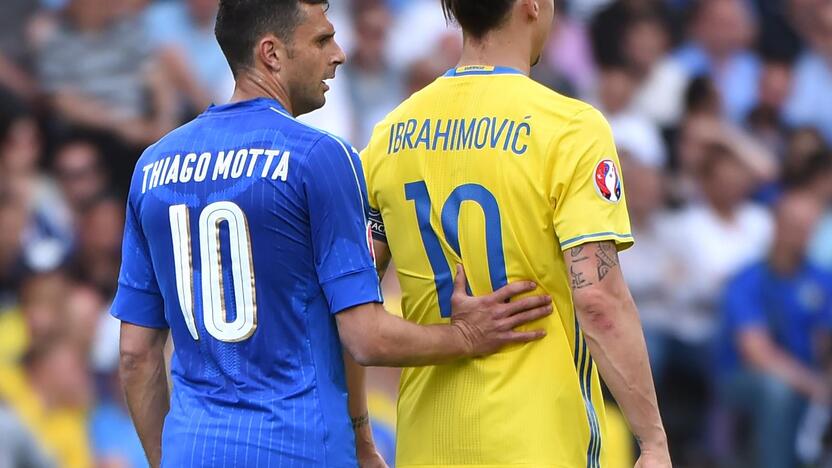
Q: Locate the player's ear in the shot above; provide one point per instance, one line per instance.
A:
(532, 8)
(271, 52)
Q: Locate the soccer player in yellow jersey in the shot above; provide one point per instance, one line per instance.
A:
(487, 168)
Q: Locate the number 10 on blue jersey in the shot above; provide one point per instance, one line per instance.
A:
(443, 277)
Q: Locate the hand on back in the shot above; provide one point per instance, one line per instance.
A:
(488, 322)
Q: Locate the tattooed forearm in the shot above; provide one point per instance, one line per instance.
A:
(578, 280)
(607, 259)
(360, 421)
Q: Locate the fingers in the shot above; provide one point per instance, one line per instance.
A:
(523, 318)
(522, 337)
(460, 281)
(524, 304)
(513, 289)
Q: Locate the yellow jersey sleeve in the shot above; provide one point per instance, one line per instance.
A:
(587, 190)
(374, 215)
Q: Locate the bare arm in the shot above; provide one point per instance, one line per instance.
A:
(365, 446)
(764, 355)
(16, 79)
(609, 320)
(479, 326)
(89, 112)
(144, 380)
(383, 257)
(84, 110)
(173, 59)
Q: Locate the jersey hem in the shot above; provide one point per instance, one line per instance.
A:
(351, 290)
(130, 302)
(622, 241)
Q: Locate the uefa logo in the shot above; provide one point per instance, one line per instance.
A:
(608, 181)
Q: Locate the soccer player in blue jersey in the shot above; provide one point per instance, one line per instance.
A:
(247, 241)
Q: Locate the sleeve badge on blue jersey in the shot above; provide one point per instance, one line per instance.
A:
(607, 181)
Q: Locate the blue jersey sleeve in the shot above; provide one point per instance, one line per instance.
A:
(138, 299)
(341, 241)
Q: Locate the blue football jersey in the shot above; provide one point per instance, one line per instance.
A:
(246, 232)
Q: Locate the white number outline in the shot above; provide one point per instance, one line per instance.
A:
(213, 292)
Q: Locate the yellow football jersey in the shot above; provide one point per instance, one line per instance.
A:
(487, 168)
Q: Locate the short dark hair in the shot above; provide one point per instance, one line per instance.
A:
(477, 17)
(241, 23)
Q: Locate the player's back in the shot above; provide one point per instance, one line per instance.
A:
(488, 168)
(223, 205)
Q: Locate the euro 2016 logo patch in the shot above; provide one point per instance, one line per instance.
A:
(608, 181)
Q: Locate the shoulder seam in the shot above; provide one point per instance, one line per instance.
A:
(559, 132)
(324, 133)
(556, 137)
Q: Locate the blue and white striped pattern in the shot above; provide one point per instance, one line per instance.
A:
(277, 398)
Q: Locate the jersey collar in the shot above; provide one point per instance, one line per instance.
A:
(470, 70)
(261, 102)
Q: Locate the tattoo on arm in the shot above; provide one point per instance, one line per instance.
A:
(578, 280)
(607, 259)
(581, 272)
(577, 254)
(360, 421)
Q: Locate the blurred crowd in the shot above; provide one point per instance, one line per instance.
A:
(722, 113)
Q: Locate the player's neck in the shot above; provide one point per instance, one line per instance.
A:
(495, 49)
(254, 84)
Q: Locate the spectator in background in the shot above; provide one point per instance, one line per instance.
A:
(98, 254)
(98, 73)
(714, 236)
(113, 436)
(817, 178)
(432, 37)
(773, 311)
(38, 317)
(721, 33)
(374, 86)
(47, 236)
(566, 64)
(50, 393)
(703, 128)
(805, 164)
(811, 174)
(662, 82)
(83, 179)
(15, 54)
(182, 33)
(721, 234)
(810, 102)
(616, 89)
(765, 120)
(12, 266)
(18, 448)
(81, 311)
(611, 23)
